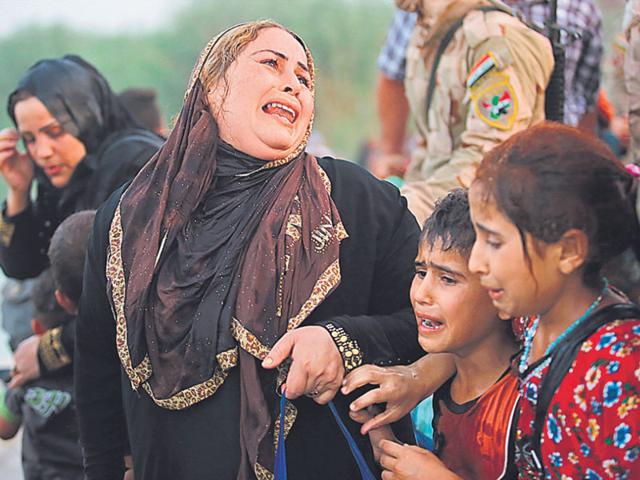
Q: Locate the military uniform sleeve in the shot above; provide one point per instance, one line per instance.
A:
(97, 373)
(505, 94)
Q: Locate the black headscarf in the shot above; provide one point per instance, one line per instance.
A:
(78, 96)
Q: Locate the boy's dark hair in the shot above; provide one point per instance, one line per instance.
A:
(450, 224)
(67, 252)
(48, 312)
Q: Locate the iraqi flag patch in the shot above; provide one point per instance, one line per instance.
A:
(481, 68)
(495, 102)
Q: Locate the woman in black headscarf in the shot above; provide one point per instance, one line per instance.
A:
(81, 145)
(231, 251)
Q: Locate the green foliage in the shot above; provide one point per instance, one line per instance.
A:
(343, 35)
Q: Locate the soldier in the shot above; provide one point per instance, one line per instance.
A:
(489, 74)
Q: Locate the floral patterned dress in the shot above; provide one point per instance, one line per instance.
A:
(592, 430)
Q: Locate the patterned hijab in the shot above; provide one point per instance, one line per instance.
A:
(214, 255)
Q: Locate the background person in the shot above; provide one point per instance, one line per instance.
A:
(81, 144)
(50, 440)
(142, 104)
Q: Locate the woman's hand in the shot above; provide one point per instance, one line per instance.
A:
(400, 387)
(408, 462)
(17, 170)
(316, 369)
(26, 362)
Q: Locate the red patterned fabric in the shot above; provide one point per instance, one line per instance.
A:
(593, 423)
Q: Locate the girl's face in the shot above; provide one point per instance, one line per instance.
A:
(269, 104)
(55, 151)
(516, 287)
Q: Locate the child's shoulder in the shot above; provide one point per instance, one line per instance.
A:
(606, 370)
(615, 340)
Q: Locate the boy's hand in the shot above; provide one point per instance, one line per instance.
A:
(400, 387)
(396, 388)
(408, 462)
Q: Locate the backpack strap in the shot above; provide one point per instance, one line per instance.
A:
(444, 43)
(562, 357)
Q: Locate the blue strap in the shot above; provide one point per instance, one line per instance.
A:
(355, 451)
(280, 469)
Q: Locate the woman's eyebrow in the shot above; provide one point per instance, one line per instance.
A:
(52, 123)
(282, 56)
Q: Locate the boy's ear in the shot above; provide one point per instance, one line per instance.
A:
(36, 327)
(574, 249)
(66, 303)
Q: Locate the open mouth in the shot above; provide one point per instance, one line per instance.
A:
(495, 293)
(54, 170)
(428, 324)
(282, 110)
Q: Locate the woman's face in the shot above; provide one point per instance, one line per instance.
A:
(498, 258)
(268, 106)
(54, 150)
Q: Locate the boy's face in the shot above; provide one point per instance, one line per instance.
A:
(453, 311)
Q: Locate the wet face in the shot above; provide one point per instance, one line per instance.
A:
(54, 150)
(498, 258)
(268, 106)
(453, 311)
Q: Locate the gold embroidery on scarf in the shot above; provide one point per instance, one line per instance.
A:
(192, 395)
(340, 231)
(294, 227)
(248, 341)
(325, 177)
(262, 473)
(115, 276)
(290, 414)
(329, 279)
(228, 359)
(140, 374)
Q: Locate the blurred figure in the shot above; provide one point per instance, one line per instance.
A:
(81, 144)
(582, 25)
(50, 445)
(613, 129)
(475, 75)
(142, 104)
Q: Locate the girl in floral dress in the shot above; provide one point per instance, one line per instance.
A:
(550, 206)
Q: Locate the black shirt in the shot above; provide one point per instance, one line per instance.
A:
(50, 445)
(371, 304)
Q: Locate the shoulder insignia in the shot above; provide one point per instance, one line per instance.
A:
(495, 101)
(481, 68)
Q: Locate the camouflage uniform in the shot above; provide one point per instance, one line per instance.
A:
(490, 83)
